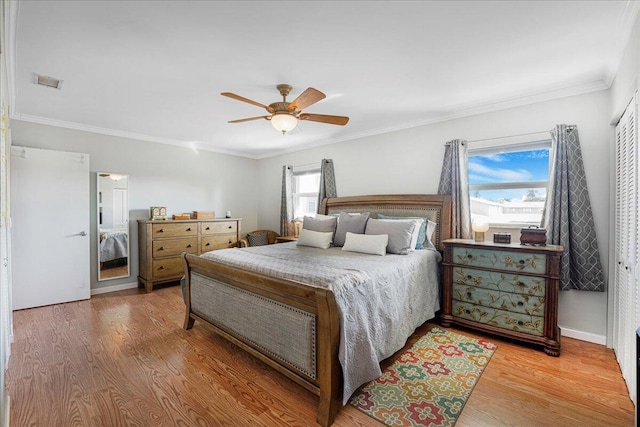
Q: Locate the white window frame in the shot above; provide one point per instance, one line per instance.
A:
(489, 147)
(297, 195)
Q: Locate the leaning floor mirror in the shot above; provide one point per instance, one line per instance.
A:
(113, 225)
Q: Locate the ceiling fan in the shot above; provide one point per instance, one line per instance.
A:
(284, 115)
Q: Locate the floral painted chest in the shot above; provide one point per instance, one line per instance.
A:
(505, 289)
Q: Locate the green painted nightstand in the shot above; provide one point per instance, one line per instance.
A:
(504, 289)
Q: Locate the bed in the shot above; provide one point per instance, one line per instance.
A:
(309, 322)
(113, 244)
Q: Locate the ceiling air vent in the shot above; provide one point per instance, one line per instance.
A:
(47, 81)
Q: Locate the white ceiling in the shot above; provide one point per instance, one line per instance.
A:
(154, 70)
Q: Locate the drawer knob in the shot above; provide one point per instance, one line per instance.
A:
(520, 303)
(207, 228)
(208, 244)
(189, 245)
(189, 229)
(161, 230)
(468, 311)
(230, 242)
(469, 276)
(519, 283)
(469, 256)
(520, 323)
(469, 294)
(521, 261)
(161, 248)
(161, 267)
(230, 227)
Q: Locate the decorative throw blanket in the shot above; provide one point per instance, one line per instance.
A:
(381, 299)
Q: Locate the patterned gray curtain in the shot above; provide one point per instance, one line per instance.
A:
(454, 180)
(327, 182)
(567, 215)
(286, 203)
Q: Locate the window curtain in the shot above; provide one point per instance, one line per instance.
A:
(454, 181)
(286, 203)
(327, 182)
(567, 215)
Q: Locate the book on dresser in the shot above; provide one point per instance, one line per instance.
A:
(505, 289)
(161, 244)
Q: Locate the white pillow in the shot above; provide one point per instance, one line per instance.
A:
(416, 230)
(366, 244)
(315, 239)
(428, 243)
(399, 232)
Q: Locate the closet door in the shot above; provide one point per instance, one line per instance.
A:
(625, 288)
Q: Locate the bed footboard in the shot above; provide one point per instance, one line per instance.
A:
(290, 326)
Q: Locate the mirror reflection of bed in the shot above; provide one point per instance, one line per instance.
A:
(114, 258)
(113, 225)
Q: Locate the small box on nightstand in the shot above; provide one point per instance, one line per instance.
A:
(501, 237)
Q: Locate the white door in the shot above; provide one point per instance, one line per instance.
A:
(120, 208)
(50, 227)
(625, 291)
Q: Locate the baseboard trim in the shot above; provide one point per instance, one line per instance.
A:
(114, 288)
(583, 336)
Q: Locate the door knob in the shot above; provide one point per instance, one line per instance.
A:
(82, 233)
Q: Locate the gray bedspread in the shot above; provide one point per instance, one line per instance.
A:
(113, 245)
(382, 300)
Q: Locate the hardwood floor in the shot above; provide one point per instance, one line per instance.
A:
(123, 359)
(118, 271)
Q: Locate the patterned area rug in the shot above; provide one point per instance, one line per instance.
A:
(429, 384)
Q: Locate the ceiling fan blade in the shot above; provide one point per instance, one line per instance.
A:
(323, 118)
(309, 97)
(247, 100)
(249, 119)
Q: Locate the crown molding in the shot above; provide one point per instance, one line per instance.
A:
(194, 145)
(625, 30)
(461, 111)
(457, 112)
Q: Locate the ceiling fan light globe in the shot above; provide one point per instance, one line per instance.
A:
(284, 122)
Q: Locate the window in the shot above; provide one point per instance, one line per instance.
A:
(508, 184)
(306, 186)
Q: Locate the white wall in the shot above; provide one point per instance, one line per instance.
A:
(410, 161)
(179, 178)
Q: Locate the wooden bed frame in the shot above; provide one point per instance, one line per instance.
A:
(317, 302)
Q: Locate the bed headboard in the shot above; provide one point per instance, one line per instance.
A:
(436, 208)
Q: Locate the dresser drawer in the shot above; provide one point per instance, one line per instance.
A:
(517, 303)
(182, 229)
(532, 325)
(221, 241)
(501, 281)
(216, 227)
(167, 267)
(525, 262)
(172, 247)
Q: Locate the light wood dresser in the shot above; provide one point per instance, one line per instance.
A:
(505, 289)
(161, 243)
